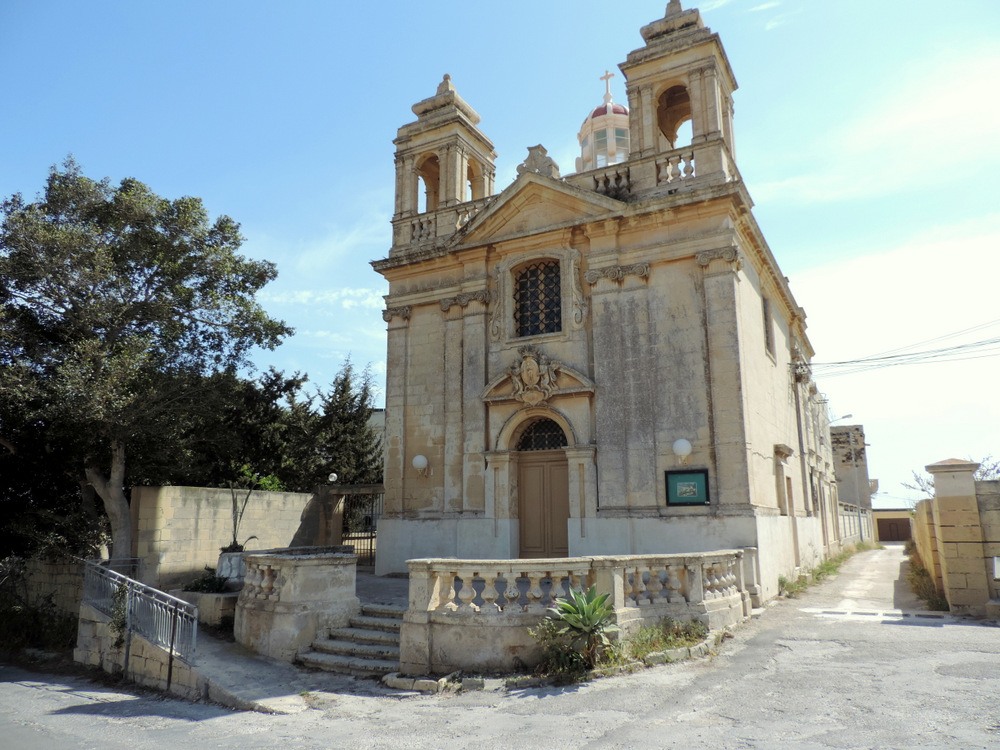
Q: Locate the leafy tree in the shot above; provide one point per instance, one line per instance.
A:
(116, 307)
(989, 468)
(330, 432)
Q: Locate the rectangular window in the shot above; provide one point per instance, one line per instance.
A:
(601, 140)
(621, 140)
(538, 299)
(765, 309)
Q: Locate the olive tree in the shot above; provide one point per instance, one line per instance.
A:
(115, 304)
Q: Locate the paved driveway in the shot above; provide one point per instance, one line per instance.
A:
(853, 663)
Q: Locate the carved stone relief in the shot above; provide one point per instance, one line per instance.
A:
(540, 162)
(533, 376)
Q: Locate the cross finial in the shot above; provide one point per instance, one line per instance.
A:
(607, 86)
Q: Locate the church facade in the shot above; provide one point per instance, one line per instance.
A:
(608, 362)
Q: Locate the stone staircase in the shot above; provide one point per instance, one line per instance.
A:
(368, 647)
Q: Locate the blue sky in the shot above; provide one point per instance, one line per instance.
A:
(866, 131)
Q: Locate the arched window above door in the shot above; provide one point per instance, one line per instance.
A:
(543, 435)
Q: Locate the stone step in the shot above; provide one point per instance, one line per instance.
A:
(350, 665)
(360, 650)
(393, 611)
(364, 635)
(366, 622)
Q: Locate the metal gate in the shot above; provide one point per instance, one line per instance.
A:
(362, 508)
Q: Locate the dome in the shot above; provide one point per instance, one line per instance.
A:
(608, 109)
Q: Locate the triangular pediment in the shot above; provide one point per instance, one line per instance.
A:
(532, 204)
(533, 379)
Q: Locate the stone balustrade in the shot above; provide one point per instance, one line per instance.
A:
(290, 595)
(474, 614)
(675, 166)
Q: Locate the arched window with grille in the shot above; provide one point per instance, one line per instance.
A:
(537, 299)
(543, 435)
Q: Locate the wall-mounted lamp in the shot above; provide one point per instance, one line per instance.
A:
(332, 479)
(421, 464)
(682, 449)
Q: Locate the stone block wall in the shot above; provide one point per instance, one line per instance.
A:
(148, 664)
(61, 580)
(957, 533)
(177, 531)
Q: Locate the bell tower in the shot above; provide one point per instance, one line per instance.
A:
(442, 159)
(681, 74)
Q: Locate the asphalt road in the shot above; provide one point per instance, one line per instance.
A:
(838, 667)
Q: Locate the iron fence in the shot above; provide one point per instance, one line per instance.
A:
(131, 606)
(362, 508)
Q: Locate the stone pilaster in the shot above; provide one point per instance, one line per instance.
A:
(722, 334)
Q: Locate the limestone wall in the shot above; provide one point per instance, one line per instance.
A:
(957, 534)
(988, 500)
(60, 580)
(177, 531)
(148, 665)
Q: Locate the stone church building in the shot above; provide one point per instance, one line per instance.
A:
(607, 362)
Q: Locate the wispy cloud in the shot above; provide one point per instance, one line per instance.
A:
(764, 6)
(891, 146)
(710, 5)
(346, 298)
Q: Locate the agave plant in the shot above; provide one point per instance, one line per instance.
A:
(586, 619)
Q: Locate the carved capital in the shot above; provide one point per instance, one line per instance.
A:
(617, 273)
(392, 312)
(462, 300)
(727, 254)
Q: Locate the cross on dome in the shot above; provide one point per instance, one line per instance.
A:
(607, 86)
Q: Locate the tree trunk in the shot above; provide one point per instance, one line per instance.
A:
(112, 492)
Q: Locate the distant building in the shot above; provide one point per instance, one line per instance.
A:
(850, 463)
(610, 362)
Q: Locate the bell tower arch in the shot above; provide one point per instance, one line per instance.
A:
(680, 75)
(442, 159)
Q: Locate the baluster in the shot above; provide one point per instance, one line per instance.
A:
(688, 165)
(535, 592)
(628, 585)
(641, 594)
(512, 594)
(466, 594)
(655, 585)
(267, 582)
(451, 605)
(490, 593)
(675, 172)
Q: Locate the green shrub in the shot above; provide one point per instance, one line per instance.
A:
(922, 584)
(207, 583)
(30, 625)
(665, 635)
(574, 636)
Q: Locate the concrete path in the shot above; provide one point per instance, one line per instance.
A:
(240, 679)
(853, 663)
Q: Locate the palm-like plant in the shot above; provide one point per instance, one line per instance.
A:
(586, 619)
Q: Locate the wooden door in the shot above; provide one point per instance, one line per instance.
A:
(543, 504)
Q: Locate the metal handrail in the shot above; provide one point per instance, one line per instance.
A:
(160, 618)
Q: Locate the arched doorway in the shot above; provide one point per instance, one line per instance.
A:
(543, 491)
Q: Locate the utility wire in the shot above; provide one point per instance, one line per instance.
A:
(981, 349)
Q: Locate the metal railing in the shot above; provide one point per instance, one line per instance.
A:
(161, 619)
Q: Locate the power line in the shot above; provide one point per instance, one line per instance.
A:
(981, 349)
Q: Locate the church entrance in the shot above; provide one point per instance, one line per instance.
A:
(543, 491)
